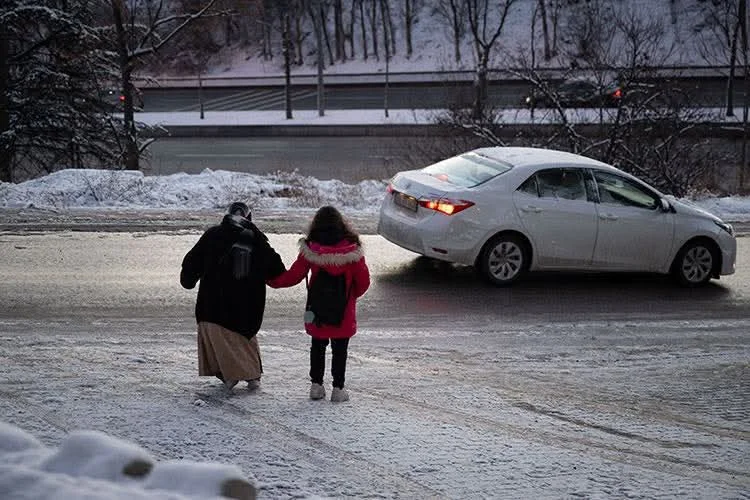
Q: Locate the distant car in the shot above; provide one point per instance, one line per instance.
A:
(508, 210)
(577, 93)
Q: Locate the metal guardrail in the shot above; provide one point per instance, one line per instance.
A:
(405, 77)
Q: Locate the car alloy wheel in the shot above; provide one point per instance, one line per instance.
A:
(504, 260)
(695, 265)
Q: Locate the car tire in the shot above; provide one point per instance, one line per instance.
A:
(504, 259)
(695, 262)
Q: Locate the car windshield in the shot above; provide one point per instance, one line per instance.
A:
(467, 170)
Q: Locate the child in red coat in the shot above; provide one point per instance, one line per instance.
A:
(331, 244)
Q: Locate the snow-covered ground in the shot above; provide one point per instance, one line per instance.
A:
(555, 389)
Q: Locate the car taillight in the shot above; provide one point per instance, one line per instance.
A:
(389, 188)
(446, 206)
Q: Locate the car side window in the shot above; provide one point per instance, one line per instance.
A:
(617, 190)
(529, 186)
(563, 183)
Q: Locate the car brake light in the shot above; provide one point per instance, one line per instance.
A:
(446, 206)
(389, 188)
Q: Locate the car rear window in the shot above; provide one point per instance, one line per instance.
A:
(467, 170)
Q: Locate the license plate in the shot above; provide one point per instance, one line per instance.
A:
(406, 201)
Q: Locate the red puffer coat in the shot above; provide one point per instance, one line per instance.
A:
(343, 257)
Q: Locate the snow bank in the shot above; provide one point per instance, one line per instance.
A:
(91, 188)
(93, 465)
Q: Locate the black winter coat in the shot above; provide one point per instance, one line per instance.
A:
(237, 305)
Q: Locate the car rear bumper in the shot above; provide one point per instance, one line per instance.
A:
(425, 234)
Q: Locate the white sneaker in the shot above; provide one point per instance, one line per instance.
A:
(253, 385)
(317, 391)
(229, 384)
(339, 395)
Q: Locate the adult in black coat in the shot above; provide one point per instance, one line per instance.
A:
(229, 308)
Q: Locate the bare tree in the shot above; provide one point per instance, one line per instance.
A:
(486, 23)
(317, 22)
(453, 13)
(409, 14)
(138, 35)
(284, 10)
(654, 131)
(373, 18)
(352, 26)
(542, 6)
(385, 8)
(386, 46)
(267, 21)
(363, 30)
(300, 34)
(339, 36)
(719, 34)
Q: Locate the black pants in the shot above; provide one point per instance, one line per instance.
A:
(338, 360)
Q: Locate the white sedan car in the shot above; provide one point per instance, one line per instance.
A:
(509, 210)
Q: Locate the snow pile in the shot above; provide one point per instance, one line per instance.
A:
(93, 465)
(89, 188)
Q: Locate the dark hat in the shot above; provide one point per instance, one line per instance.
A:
(239, 208)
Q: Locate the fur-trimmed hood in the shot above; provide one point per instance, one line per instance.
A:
(340, 254)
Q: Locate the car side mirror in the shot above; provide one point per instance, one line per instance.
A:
(665, 205)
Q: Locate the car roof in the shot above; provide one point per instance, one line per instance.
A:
(526, 158)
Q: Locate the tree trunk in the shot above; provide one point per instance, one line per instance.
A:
(545, 29)
(287, 66)
(350, 36)
(131, 152)
(732, 69)
(743, 22)
(386, 33)
(374, 27)
(480, 85)
(299, 61)
(317, 22)
(362, 26)
(6, 153)
(338, 34)
(408, 21)
(325, 36)
(456, 31)
(389, 20)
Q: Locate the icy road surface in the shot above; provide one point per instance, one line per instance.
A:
(562, 387)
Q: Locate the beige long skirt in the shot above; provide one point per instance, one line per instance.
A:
(224, 353)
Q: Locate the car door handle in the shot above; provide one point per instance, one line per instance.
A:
(608, 217)
(532, 208)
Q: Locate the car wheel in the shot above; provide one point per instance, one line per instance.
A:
(504, 259)
(694, 265)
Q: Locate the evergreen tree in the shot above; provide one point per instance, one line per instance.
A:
(53, 73)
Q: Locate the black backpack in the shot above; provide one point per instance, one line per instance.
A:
(326, 299)
(239, 258)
